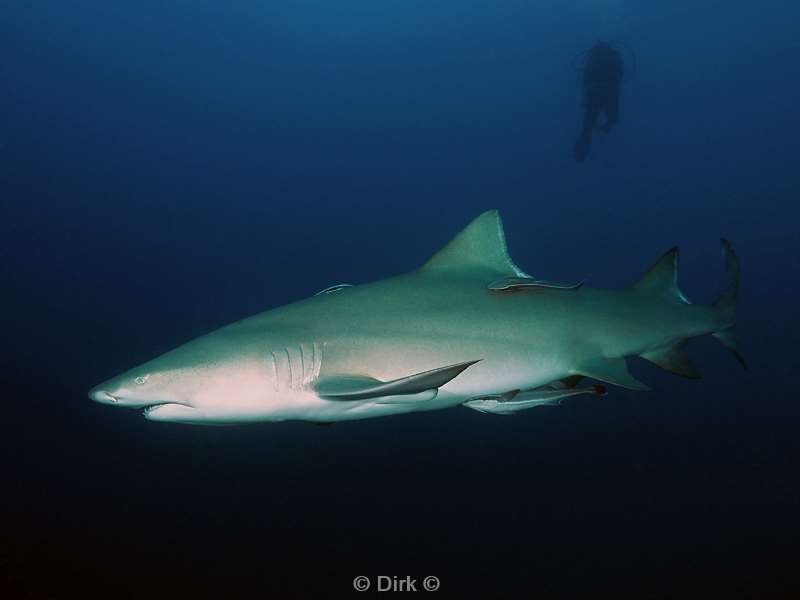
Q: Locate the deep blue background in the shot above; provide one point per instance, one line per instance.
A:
(167, 168)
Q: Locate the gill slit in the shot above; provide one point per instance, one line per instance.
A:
(302, 367)
(274, 372)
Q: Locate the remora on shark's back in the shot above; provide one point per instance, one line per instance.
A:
(467, 328)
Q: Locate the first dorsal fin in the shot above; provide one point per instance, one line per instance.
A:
(481, 246)
(662, 277)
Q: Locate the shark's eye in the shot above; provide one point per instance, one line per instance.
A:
(141, 379)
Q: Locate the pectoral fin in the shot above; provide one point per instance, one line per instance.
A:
(610, 370)
(364, 388)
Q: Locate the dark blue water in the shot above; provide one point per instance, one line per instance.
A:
(167, 168)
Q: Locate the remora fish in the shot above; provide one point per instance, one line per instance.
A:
(468, 327)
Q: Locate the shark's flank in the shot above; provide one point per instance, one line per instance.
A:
(467, 328)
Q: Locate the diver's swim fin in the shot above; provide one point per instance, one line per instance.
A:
(583, 146)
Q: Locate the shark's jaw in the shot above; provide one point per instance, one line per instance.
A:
(172, 411)
(153, 409)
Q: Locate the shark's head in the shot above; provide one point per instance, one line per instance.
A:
(158, 389)
(203, 381)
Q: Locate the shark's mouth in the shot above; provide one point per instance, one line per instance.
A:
(153, 408)
(168, 411)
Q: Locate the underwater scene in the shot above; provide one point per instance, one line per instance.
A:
(310, 299)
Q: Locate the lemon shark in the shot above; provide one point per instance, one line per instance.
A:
(467, 328)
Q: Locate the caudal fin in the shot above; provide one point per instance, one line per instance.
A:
(726, 303)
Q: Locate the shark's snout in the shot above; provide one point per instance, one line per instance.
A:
(100, 395)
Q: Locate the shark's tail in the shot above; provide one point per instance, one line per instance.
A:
(726, 303)
(662, 278)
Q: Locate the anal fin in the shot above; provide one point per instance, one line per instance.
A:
(673, 359)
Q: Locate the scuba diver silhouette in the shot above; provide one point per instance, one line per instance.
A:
(603, 71)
